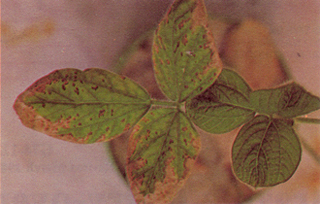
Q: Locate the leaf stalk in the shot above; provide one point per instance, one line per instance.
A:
(307, 120)
(173, 104)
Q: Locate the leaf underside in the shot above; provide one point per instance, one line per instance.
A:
(266, 152)
(185, 59)
(224, 106)
(82, 106)
(162, 148)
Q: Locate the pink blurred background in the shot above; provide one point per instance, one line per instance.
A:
(41, 36)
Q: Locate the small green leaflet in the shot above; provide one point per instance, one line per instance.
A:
(266, 152)
(224, 106)
(185, 59)
(82, 106)
(161, 151)
(288, 101)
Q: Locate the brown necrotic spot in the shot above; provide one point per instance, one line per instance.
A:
(101, 113)
(185, 40)
(76, 91)
(127, 127)
(94, 87)
(177, 46)
(181, 24)
(185, 141)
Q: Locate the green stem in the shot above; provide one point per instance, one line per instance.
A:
(307, 120)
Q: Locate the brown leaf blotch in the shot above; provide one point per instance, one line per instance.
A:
(127, 127)
(101, 139)
(77, 91)
(94, 87)
(30, 118)
(101, 113)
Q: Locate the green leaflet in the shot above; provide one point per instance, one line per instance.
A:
(161, 151)
(288, 101)
(266, 152)
(224, 106)
(185, 59)
(82, 106)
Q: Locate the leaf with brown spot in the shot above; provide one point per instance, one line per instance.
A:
(161, 151)
(82, 106)
(189, 68)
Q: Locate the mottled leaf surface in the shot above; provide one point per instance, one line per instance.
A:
(82, 106)
(288, 101)
(185, 59)
(224, 106)
(162, 149)
(266, 152)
